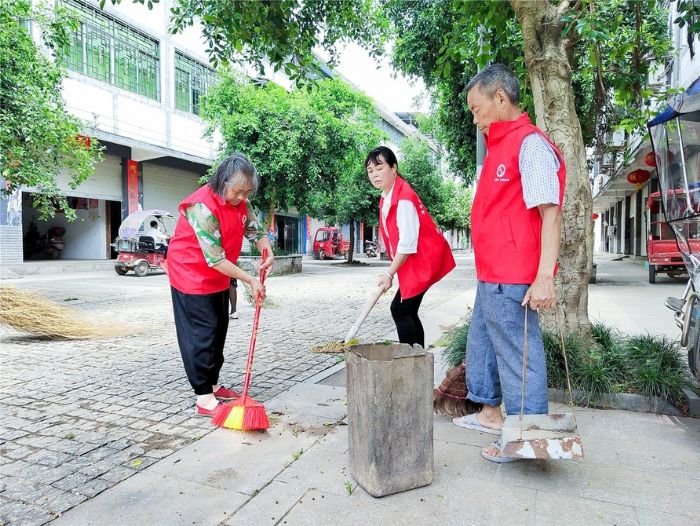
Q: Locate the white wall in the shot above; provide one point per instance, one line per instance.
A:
(105, 183)
(685, 70)
(121, 112)
(164, 188)
(85, 237)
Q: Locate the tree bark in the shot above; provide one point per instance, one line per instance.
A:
(550, 77)
(351, 248)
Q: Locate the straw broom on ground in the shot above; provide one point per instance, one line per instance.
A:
(31, 313)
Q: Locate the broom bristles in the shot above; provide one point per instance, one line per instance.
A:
(255, 418)
(221, 414)
(447, 405)
(244, 414)
(451, 397)
(31, 313)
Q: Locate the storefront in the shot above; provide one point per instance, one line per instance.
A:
(118, 186)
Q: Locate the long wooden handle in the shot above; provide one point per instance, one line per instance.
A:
(356, 327)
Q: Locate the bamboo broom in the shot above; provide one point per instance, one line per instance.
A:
(32, 313)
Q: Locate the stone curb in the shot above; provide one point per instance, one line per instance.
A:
(283, 264)
(624, 401)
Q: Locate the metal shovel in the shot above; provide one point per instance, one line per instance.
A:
(551, 436)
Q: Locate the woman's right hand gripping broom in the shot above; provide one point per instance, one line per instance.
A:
(257, 290)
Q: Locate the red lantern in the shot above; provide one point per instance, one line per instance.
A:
(650, 159)
(595, 215)
(638, 178)
(83, 141)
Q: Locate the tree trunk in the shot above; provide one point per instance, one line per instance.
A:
(351, 248)
(550, 77)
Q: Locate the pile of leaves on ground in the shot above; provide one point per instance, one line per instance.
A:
(606, 362)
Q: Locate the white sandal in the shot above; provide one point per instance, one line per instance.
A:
(498, 459)
(472, 422)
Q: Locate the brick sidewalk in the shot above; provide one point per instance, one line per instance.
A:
(78, 417)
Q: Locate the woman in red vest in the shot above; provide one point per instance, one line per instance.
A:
(420, 255)
(207, 240)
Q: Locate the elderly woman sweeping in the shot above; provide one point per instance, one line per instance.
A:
(420, 255)
(207, 240)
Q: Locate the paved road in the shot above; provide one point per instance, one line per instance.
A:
(80, 416)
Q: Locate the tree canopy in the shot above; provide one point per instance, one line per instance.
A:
(38, 138)
(306, 143)
(283, 33)
(612, 46)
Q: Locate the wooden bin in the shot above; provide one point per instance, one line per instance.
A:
(390, 417)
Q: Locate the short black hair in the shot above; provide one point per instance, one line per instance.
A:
(154, 224)
(495, 77)
(229, 171)
(387, 154)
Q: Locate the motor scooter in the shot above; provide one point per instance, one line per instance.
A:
(675, 137)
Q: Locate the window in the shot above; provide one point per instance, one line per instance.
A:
(111, 51)
(192, 80)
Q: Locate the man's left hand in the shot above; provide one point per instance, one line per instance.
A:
(542, 294)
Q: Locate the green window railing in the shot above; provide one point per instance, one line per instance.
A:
(192, 81)
(111, 51)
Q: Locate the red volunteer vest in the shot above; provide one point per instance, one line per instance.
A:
(506, 235)
(187, 269)
(432, 261)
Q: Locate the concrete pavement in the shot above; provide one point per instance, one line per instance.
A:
(640, 469)
(78, 417)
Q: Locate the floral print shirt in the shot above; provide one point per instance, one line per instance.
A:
(206, 228)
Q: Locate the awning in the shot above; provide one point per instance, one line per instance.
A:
(686, 102)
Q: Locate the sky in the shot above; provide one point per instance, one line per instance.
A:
(376, 78)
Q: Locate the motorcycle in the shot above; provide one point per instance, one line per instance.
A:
(54, 243)
(371, 249)
(675, 137)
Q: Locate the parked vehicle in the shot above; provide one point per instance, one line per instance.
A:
(675, 135)
(663, 254)
(371, 249)
(137, 251)
(329, 243)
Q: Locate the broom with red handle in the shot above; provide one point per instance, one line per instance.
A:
(244, 413)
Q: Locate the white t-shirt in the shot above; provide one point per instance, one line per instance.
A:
(407, 222)
(157, 235)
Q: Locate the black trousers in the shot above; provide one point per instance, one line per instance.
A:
(201, 322)
(405, 314)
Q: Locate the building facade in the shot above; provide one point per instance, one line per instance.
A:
(622, 220)
(137, 88)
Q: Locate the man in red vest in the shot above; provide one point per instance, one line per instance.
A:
(516, 224)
